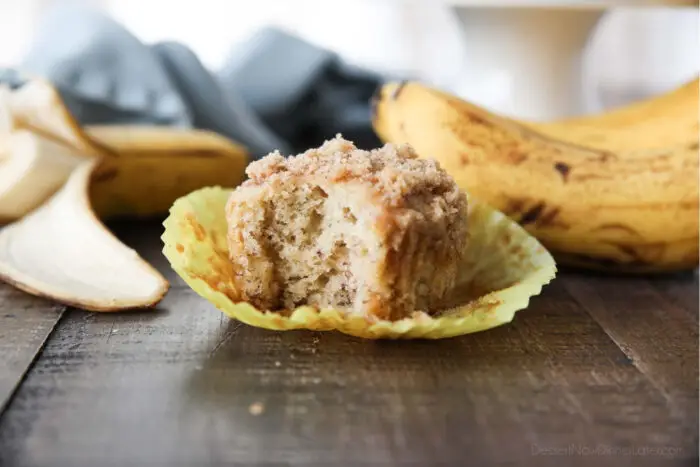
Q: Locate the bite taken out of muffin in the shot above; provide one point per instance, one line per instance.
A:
(377, 233)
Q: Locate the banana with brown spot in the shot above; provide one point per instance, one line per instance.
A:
(598, 206)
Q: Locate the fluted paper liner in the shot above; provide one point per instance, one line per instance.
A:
(504, 267)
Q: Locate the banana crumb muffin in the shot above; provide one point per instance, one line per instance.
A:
(378, 233)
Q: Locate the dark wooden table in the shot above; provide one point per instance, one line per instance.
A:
(598, 371)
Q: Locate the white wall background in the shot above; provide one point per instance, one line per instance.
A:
(635, 52)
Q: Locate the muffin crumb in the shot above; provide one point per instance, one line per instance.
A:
(256, 408)
(378, 233)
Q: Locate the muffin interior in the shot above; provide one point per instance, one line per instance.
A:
(320, 246)
(379, 233)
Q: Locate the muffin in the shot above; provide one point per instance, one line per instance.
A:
(377, 233)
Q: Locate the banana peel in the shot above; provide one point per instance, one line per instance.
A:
(32, 168)
(58, 181)
(63, 252)
(40, 145)
(36, 106)
(617, 192)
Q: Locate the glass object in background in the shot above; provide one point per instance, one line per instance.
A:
(537, 59)
(633, 53)
(526, 62)
(638, 53)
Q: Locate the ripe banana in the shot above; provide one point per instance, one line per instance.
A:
(664, 122)
(152, 167)
(617, 192)
(58, 179)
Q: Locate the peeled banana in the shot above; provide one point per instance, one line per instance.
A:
(152, 167)
(615, 192)
(58, 180)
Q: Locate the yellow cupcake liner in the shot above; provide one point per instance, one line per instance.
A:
(504, 267)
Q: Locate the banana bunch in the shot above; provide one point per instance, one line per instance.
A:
(615, 192)
(59, 181)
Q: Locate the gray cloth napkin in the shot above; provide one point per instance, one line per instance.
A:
(275, 90)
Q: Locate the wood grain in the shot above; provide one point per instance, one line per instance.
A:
(25, 324)
(658, 335)
(184, 386)
(681, 290)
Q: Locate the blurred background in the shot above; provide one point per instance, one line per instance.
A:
(632, 53)
(288, 74)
